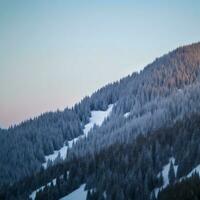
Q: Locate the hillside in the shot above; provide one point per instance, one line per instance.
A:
(152, 114)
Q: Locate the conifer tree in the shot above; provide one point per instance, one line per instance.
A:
(171, 174)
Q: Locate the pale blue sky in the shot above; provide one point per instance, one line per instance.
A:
(53, 53)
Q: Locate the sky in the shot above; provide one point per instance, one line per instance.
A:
(53, 53)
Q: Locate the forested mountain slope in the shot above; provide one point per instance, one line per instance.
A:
(24, 146)
(122, 171)
(159, 95)
(164, 93)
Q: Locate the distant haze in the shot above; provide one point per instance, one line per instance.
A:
(53, 53)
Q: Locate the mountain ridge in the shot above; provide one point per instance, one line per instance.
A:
(152, 97)
(152, 64)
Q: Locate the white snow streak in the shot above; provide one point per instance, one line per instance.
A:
(52, 157)
(165, 172)
(33, 194)
(79, 194)
(195, 170)
(97, 118)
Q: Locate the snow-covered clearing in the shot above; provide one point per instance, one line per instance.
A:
(97, 118)
(79, 194)
(164, 173)
(33, 194)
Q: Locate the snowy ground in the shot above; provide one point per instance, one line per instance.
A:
(97, 117)
(79, 194)
(33, 194)
(165, 172)
(52, 157)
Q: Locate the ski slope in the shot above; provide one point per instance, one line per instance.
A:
(97, 118)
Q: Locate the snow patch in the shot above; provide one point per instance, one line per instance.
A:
(97, 118)
(52, 157)
(33, 194)
(165, 172)
(195, 170)
(126, 115)
(79, 194)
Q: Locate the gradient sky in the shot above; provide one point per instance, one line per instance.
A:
(53, 53)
